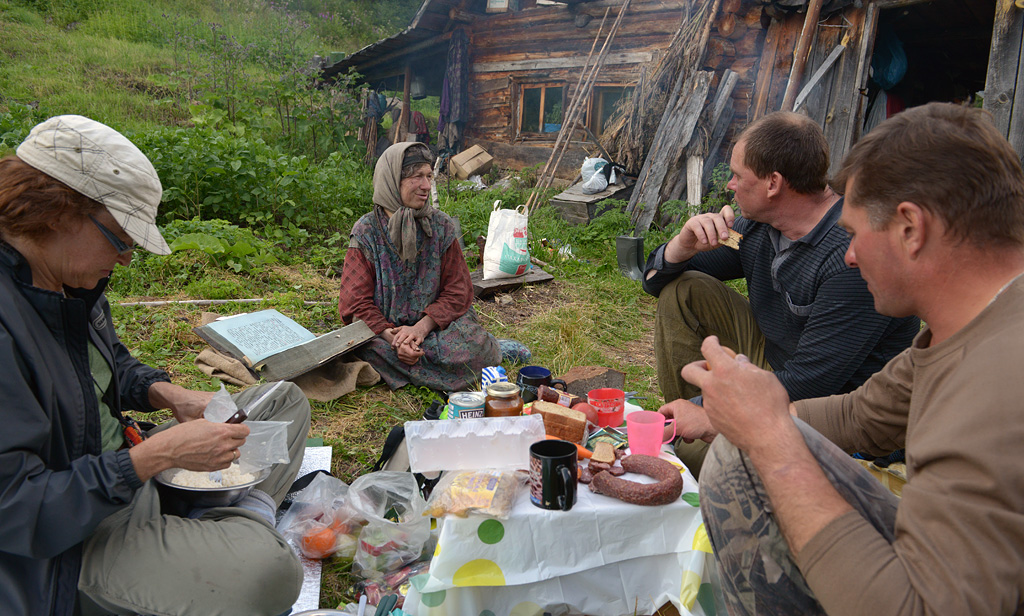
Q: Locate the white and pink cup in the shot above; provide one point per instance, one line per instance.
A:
(645, 430)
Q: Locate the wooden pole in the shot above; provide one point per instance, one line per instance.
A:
(558, 139)
(403, 118)
(579, 101)
(803, 45)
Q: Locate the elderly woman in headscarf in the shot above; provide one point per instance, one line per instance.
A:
(406, 278)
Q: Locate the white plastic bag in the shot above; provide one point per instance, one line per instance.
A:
(320, 523)
(591, 166)
(505, 253)
(595, 184)
(396, 529)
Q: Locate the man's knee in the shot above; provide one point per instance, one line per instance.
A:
(679, 293)
(721, 456)
(273, 582)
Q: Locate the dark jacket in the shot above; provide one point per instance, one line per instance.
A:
(55, 484)
(822, 333)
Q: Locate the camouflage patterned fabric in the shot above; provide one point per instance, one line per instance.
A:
(756, 567)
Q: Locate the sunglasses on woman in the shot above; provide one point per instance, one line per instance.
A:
(115, 241)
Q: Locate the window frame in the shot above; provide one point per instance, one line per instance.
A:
(520, 88)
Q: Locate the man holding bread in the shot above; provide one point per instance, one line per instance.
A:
(935, 210)
(809, 317)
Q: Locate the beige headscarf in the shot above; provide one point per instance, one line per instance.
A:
(387, 194)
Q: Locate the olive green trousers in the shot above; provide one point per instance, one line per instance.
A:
(228, 561)
(691, 308)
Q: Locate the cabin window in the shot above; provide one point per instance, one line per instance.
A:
(603, 103)
(540, 109)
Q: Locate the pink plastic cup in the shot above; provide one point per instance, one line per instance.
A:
(645, 430)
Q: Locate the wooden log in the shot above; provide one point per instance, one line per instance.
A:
(752, 18)
(731, 6)
(750, 44)
(721, 52)
(726, 25)
(745, 68)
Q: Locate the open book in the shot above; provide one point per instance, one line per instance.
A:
(275, 347)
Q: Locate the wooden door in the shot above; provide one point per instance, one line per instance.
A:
(834, 81)
(1006, 73)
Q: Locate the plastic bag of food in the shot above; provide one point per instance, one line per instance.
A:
(396, 529)
(488, 492)
(320, 523)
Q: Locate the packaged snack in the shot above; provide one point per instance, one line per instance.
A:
(488, 492)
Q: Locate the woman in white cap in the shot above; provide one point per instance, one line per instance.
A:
(81, 529)
(406, 278)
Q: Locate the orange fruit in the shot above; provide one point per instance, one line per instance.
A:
(319, 542)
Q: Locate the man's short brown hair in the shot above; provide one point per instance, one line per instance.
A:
(791, 144)
(948, 159)
(30, 200)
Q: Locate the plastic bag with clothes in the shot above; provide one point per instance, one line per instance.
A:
(396, 530)
(320, 523)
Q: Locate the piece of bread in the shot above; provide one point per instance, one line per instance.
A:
(562, 422)
(604, 452)
(733, 241)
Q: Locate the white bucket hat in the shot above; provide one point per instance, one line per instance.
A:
(102, 164)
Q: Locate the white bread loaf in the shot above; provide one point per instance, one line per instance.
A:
(561, 422)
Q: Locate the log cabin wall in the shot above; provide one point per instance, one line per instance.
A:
(549, 45)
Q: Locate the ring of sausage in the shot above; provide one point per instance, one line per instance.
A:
(668, 488)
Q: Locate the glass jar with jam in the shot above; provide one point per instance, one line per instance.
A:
(503, 400)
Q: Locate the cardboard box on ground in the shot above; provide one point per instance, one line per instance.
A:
(471, 161)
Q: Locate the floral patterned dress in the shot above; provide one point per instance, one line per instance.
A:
(403, 292)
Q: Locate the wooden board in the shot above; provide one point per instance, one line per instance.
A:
(305, 357)
(1004, 73)
(486, 288)
(575, 194)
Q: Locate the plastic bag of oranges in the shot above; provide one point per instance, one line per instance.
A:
(320, 523)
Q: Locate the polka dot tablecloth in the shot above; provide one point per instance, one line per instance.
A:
(602, 558)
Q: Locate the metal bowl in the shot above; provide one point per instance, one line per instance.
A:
(180, 500)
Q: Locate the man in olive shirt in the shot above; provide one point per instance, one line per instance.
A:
(935, 209)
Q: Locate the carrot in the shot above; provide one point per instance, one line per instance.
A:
(581, 451)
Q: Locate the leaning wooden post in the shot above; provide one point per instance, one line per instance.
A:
(796, 75)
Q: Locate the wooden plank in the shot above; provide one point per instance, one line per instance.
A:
(818, 74)
(766, 68)
(303, 358)
(839, 122)
(549, 63)
(717, 137)
(673, 139)
(485, 288)
(575, 194)
(867, 44)
(1004, 66)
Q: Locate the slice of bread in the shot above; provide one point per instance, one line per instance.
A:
(733, 241)
(604, 452)
(559, 421)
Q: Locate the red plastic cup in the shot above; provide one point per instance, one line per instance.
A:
(610, 404)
